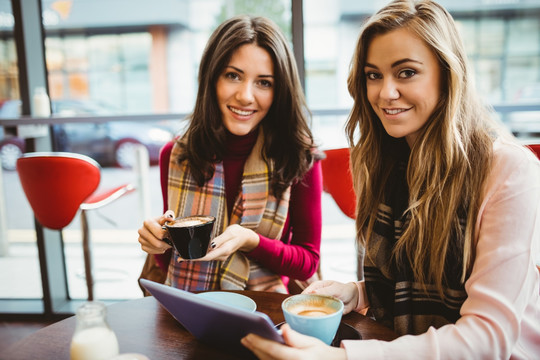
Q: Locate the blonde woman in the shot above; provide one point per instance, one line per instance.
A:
(449, 205)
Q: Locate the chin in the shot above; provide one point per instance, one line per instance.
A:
(240, 130)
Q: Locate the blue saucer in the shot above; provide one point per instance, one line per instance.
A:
(230, 298)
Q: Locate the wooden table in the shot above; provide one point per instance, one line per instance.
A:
(143, 326)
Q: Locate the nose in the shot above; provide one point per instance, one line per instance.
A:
(389, 90)
(245, 93)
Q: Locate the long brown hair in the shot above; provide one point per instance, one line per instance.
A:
(288, 139)
(449, 161)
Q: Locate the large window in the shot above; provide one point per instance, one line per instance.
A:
(106, 63)
(133, 63)
(502, 42)
(139, 57)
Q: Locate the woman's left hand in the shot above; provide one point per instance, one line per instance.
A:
(299, 347)
(234, 238)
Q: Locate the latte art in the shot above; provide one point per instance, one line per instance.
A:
(313, 315)
(316, 312)
(313, 310)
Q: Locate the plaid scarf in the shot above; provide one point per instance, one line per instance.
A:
(255, 208)
(396, 299)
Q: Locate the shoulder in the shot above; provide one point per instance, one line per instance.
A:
(311, 179)
(317, 154)
(513, 165)
(509, 156)
(178, 144)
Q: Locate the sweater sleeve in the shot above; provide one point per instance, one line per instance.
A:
(500, 318)
(297, 256)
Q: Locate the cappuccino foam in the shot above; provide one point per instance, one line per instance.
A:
(312, 311)
(190, 221)
(316, 312)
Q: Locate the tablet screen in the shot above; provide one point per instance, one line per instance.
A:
(216, 324)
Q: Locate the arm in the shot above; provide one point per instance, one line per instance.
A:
(300, 258)
(164, 157)
(503, 295)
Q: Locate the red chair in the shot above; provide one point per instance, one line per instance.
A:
(337, 180)
(57, 185)
(535, 148)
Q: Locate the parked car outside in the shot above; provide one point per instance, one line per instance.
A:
(11, 146)
(110, 144)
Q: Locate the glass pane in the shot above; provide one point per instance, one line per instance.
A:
(19, 265)
(329, 131)
(133, 62)
(491, 36)
(521, 75)
(140, 61)
(468, 30)
(9, 74)
(488, 73)
(524, 36)
(502, 41)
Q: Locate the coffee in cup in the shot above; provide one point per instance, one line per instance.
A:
(313, 315)
(190, 235)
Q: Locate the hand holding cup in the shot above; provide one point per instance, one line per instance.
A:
(314, 315)
(190, 235)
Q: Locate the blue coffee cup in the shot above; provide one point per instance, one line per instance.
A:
(314, 315)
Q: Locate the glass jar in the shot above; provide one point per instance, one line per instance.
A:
(41, 102)
(93, 338)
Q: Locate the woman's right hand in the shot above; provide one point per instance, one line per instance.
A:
(348, 293)
(151, 234)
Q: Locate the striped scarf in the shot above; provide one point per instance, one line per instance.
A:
(255, 208)
(396, 300)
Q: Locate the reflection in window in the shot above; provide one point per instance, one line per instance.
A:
(523, 37)
(491, 36)
(9, 74)
(134, 63)
(522, 72)
(144, 60)
(19, 265)
(502, 42)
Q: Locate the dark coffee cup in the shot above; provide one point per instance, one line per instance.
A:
(190, 235)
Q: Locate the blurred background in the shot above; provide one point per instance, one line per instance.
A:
(123, 73)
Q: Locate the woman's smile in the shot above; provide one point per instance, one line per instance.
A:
(245, 89)
(403, 82)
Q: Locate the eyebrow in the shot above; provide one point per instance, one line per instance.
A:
(396, 63)
(242, 71)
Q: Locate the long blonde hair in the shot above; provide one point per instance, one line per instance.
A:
(448, 163)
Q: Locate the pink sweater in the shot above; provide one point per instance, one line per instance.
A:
(501, 317)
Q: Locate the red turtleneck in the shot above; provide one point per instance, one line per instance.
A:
(297, 254)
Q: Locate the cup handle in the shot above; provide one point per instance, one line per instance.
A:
(165, 238)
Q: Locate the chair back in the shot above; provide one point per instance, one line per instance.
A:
(535, 148)
(337, 180)
(56, 184)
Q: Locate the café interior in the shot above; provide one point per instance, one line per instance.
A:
(118, 85)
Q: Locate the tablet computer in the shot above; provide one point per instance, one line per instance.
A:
(213, 323)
